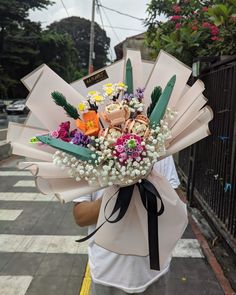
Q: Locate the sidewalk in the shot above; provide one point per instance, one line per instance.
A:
(38, 254)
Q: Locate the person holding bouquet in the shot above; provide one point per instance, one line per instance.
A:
(114, 274)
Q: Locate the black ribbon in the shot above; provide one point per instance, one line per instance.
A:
(149, 196)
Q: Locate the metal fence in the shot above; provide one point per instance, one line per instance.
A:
(209, 167)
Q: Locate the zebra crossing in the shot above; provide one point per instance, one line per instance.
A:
(38, 253)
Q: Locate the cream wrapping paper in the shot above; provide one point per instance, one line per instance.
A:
(129, 236)
(187, 102)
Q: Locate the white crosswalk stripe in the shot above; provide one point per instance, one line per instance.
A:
(10, 196)
(15, 173)
(67, 244)
(6, 214)
(25, 183)
(14, 285)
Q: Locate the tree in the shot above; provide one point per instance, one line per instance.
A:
(58, 52)
(193, 28)
(79, 30)
(18, 43)
(16, 11)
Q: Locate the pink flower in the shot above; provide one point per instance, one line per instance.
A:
(119, 148)
(215, 38)
(63, 134)
(178, 26)
(206, 25)
(54, 134)
(214, 30)
(194, 28)
(176, 8)
(65, 125)
(67, 139)
(128, 146)
(176, 17)
(205, 9)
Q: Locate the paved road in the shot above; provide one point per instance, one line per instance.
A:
(38, 254)
(5, 119)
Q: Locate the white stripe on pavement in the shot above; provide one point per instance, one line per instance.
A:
(15, 173)
(66, 244)
(10, 196)
(14, 285)
(42, 244)
(7, 214)
(25, 183)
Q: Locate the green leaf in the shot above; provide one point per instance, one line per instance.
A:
(160, 108)
(60, 100)
(77, 151)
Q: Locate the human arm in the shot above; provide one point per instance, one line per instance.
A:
(86, 213)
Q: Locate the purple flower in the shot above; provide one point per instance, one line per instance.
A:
(72, 133)
(139, 93)
(80, 139)
(128, 96)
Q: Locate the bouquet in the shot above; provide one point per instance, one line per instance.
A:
(110, 137)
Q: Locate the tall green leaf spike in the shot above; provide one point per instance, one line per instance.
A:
(129, 76)
(77, 151)
(160, 108)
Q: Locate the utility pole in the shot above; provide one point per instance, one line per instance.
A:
(91, 43)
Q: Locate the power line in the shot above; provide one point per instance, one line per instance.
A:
(65, 8)
(109, 21)
(126, 29)
(100, 14)
(122, 13)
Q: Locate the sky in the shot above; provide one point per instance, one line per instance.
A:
(118, 27)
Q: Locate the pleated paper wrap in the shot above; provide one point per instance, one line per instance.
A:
(189, 126)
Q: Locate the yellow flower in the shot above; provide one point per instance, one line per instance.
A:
(108, 85)
(109, 91)
(121, 84)
(98, 98)
(91, 93)
(82, 106)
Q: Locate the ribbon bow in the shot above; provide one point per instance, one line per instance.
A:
(149, 196)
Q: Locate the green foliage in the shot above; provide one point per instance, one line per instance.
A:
(193, 28)
(58, 52)
(61, 101)
(24, 46)
(156, 93)
(79, 31)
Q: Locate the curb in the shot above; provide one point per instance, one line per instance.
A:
(5, 150)
(222, 280)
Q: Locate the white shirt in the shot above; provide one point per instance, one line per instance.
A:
(132, 274)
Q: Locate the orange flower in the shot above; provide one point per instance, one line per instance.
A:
(90, 124)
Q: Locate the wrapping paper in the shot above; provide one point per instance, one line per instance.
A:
(189, 125)
(130, 234)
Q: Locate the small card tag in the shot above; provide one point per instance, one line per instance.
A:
(98, 77)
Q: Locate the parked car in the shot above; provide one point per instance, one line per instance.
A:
(17, 107)
(2, 107)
